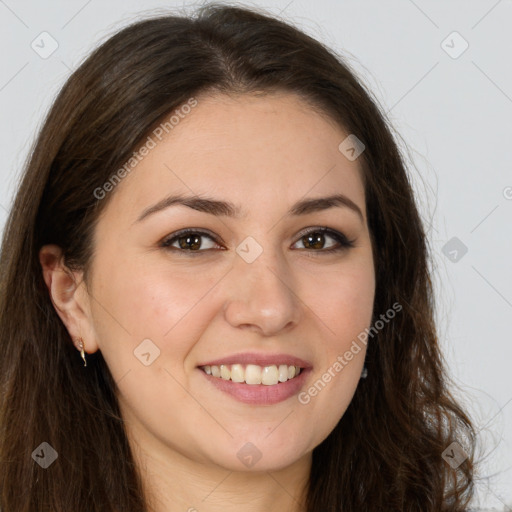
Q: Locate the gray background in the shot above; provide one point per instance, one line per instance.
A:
(454, 112)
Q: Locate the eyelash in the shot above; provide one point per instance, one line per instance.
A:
(344, 243)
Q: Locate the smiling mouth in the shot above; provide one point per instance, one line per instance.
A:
(253, 374)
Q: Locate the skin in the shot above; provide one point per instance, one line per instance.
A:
(263, 153)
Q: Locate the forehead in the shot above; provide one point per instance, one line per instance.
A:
(256, 150)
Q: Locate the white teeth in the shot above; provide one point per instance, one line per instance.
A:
(224, 372)
(237, 373)
(270, 375)
(253, 374)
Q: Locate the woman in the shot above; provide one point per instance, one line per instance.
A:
(215, 289)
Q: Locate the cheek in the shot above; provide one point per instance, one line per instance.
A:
(343, 304)
(343, 301)
(140, 302)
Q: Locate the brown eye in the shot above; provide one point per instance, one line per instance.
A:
(325, 240)
(314, 241)
(318, 240)
(190, 241)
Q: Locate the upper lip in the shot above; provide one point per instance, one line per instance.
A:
(259, 359)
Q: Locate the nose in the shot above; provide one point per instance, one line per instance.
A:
(261, 296)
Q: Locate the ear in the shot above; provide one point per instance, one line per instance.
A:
(69, 297)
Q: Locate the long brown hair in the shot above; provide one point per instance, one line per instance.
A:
(386, 453)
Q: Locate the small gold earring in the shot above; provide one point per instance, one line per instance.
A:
(82, 352)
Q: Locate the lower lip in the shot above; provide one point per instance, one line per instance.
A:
(259, 394)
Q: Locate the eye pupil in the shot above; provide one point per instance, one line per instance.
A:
(315, 241)
(190, 242)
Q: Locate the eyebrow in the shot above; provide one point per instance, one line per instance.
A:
(225, 208)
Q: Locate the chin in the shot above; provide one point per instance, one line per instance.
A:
(261, 452)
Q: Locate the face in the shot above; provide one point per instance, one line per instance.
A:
(266, 279)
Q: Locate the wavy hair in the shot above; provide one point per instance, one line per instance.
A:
(386, 452)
